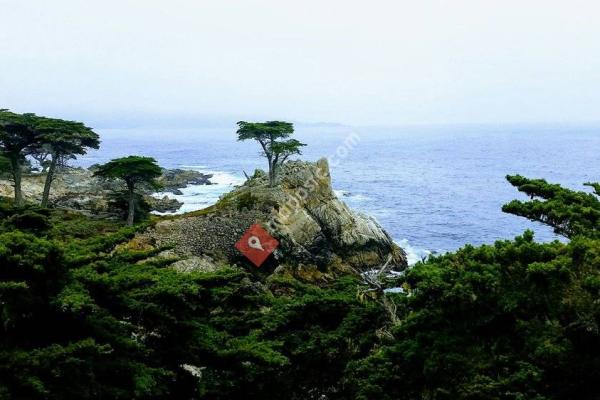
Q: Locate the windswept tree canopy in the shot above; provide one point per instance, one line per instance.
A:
(18, 135)
(60, 140)
(273, 137)
(570, 213)
(134, 171)
(24, 135)
(282, 150)
(264, 132)
(17, 132)
(131, 169)
(66, 138)
(29, 132)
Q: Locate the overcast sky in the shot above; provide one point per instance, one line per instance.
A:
(352, 62)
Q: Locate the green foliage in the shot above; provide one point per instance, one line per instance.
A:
(17, 132)
(514, 320)
(31, 219)
(17, 135)
(24, 135)
(60, 140)
(264, 131)
(282, 150)
(81, 318)
(132, 170)
(246, 201)
(119, 200)
(33, 133)
(64, 138)
(4, 165)
(273, 137)
(135, 171)
(569, 213)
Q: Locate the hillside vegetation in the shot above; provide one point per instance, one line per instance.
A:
(512, 320)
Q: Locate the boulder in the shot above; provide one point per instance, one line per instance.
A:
(163, 204)
(320, 236)
(174, 179)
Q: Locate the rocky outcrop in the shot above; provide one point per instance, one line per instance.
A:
(320, 237)
(73, 188)
(163, 204)
(172, 180)
(78, 189)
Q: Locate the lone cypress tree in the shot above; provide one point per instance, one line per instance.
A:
(135, 171)
(273, 137)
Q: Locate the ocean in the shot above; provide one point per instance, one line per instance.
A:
(433, 188)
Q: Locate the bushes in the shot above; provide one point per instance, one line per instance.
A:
(517, 320)
(79, 321)
(512, 320)
(33, 220)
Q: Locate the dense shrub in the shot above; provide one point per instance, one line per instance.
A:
(513, 320)
(82, 321)
(517, 320)
(33, 220)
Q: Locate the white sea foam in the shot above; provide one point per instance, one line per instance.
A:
(345, 195)
(197, 197)
(413, 254)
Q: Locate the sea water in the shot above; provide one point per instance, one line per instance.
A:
(433, 188)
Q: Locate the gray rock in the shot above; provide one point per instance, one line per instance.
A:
(320, 237)
(78, 189)
(164, 204)
(194, 263)
(174, 179)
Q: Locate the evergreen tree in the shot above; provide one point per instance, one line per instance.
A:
(570, 213)
(273, 137)
(61, 140)
(17, 136)
(4, 165)
(135, 171)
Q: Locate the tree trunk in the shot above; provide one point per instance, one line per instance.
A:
(273, 174)
(16, 172)
(49, 179)
(271, 171)
(131, 212)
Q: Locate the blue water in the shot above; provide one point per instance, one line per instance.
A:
(433, 188)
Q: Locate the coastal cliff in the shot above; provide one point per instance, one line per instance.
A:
(320, 236)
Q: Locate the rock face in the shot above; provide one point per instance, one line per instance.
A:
(75, 189)
(320, 237)
(163, 204)
(78, 189)
(174, 179)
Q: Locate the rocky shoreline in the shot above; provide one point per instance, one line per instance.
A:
(77, 189)
(320, 237)
(172, 180)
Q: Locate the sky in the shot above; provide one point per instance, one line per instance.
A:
(120, 62)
